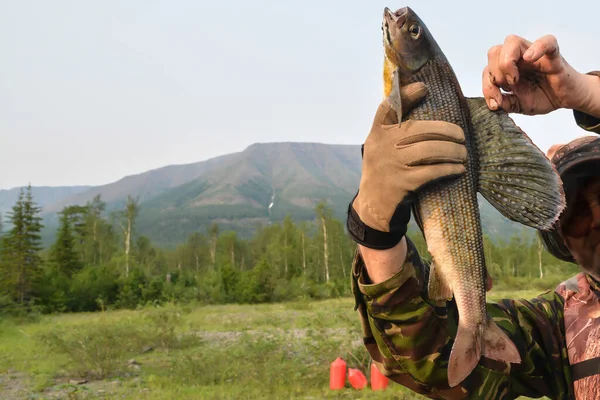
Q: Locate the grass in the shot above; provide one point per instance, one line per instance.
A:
(280, 351)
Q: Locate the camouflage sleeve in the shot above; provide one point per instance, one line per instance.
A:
(409, 338)
(586, 121)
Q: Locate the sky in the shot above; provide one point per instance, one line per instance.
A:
(92, 91)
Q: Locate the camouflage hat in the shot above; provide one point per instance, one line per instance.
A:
(574, 160)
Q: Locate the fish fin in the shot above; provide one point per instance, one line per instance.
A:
(465, 354)
(498, 346)
(439, 287)
(515, 176)
(488, 281)
(395, 98)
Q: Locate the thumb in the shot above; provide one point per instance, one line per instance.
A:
(385, 115)
(410, 95)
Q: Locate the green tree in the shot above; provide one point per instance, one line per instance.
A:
(97, 232)
(21, 263)
(213, 233)
(195, 251)
(63, 252)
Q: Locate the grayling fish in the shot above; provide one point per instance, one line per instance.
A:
(503, 165)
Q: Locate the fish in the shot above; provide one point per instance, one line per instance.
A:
(503, 165)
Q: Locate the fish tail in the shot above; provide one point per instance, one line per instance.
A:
(473, 342)
(498, 346)
(465, 354)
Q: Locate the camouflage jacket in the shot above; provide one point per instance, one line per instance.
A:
(410, 337)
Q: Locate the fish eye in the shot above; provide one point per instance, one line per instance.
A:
(415, 31)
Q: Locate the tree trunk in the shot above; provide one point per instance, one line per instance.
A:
(127, 246)
(197, 261)
(285, 251)
(213, 250)
(303, 255)
(325, 255)
(232, 254)
(342, 262)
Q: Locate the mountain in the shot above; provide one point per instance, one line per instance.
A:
(142, 186)
(44, 195)
(263, 183)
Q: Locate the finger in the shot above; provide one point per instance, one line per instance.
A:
(544, 46)
(511, 104)
(496, 76)
(433, 152)
(411, 94)
(418, 131)
(510, 54)
(427, 174)
(491, 92)
(385, 115)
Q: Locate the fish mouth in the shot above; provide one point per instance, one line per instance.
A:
(398, 18)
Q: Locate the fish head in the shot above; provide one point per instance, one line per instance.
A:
(407, 42)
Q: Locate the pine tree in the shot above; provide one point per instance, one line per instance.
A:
(63, 252)
(21, 245)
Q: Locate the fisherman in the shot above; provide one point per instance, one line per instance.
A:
(408, 335)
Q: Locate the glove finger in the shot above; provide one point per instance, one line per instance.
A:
(412, 94)
(432, 152)
(417, 177)
(384, 116)
(417, 131)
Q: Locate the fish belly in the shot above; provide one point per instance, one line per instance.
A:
(452, 230)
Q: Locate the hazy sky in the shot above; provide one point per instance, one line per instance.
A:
(91, 91)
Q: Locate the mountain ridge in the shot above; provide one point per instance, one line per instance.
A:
(260, 184)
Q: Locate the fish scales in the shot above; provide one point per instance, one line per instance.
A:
(450, 214)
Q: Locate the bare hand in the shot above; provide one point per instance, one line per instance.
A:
(535, 75)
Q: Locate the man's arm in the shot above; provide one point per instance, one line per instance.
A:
(587, 113)
(383, 264)
(409, 336)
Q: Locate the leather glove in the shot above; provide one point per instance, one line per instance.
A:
(398, 160)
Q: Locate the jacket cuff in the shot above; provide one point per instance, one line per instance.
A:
(586, 121)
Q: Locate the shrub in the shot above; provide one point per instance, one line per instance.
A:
(95, 350)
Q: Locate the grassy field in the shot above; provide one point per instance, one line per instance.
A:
(279, 351)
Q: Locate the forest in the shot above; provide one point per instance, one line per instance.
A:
(99, 262)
